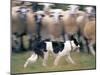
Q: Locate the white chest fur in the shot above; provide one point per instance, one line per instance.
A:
(49, 46)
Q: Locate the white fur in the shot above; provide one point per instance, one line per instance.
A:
(73, 9)
(46, 6)
(89, 9)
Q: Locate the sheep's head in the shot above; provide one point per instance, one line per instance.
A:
(39, 15)
(23, 10)
(55, 14)
(47, 6)
(90, 11)
(73, 9)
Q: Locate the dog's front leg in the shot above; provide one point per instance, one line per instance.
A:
(70, 59)
(45, 59)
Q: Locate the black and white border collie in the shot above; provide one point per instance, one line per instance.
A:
(58, 49)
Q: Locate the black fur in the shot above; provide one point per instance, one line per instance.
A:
(57, 46)
(75, 41)
(39, 47)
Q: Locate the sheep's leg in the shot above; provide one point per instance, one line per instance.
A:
(66, 36)
(57, 60)
(17, 44)
(84, 44)
(70, 59)
(45, 59)
(77, 38)
(92, 51)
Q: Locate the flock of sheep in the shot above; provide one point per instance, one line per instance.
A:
(55, 24)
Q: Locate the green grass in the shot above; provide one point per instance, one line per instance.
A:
(83, 60)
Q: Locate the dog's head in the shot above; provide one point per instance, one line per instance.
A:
(75, 47)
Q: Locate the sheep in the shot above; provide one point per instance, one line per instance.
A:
(90, 34)
(54, 18)
(73, 9)
(69, 22)
(90, 11)
(31, 25)
(42, 22)
(16, 23)
(23, 21)
(82, 19)
(27, 17)
(30, 21)
(17, 28)
(52, 25)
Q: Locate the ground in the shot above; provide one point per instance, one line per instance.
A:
(83, 60)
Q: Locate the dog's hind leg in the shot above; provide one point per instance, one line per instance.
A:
(26, 63)
(45, 59)
(31, 59)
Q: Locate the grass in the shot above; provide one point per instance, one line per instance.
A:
(83, 60)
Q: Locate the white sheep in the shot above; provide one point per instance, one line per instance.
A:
(52, 25)
(16, 22)
(69, 21)
(30, 21)
(23, 25)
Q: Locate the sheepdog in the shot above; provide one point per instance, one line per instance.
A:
(58, 50)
